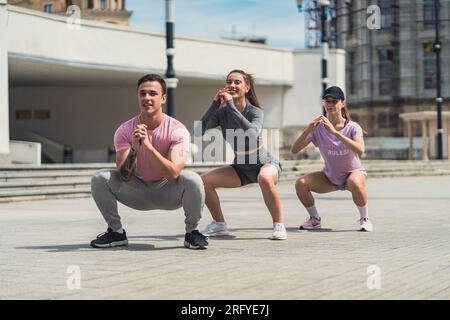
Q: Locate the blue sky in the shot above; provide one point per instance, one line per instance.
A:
(277, 20)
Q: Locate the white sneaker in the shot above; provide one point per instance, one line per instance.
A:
(215, 228)
(279, 232)
(365, 225)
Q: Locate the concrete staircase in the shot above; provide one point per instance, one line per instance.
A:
(28, 182)
(25, 182)
(375, 168)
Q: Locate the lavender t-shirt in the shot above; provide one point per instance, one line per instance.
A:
(340, 160)
(170, 134)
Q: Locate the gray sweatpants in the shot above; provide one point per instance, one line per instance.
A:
(187, 192)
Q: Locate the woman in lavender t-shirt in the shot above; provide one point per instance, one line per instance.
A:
(340, 142)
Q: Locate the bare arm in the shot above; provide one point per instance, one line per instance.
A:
(126, 163)
(301, 142)
(169, 168)
(126, 159)
(304, 139)
(356, 145)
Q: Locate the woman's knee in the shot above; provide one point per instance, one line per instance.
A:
(356, 183)
(301, 184)
(207, 181)
(266, 180)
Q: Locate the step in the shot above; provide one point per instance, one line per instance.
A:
(24, 182)
(294, 176)
(369, 169)
(28, 185)
(63, 173)
(10, 176)
(43, 197)
(45, 191)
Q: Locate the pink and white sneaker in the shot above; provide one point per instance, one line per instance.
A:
(365, 225)
(311, 224)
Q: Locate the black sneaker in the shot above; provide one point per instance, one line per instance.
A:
(195, 240)
(110, 239)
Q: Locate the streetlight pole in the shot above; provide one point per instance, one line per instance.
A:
(324, 4)
(439, 100)
(171, 80)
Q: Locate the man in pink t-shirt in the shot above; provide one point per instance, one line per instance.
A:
(151, 149)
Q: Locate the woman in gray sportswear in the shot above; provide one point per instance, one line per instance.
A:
(237, 111)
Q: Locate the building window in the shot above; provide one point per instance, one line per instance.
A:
(385, 70)
(429, 66)
(24, 114)
(387, 120)
(90, 4)
(428, 12)
(48, 8)
(351, 16)
(41, 114)
(387, 14)
(102, 4)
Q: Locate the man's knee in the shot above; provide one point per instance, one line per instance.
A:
(191, 181)
(100, 177)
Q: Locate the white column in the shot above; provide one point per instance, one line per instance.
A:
(4, 86)
(425, 140)
(447, 137)
(448, 141)
(410, 138)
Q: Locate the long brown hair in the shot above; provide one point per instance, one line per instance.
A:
(250, 81)
(346, 114)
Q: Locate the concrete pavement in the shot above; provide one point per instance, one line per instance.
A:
(44, 246)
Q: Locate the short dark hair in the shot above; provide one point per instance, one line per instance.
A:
(153, 77)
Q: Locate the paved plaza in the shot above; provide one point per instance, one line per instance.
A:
(45, 246)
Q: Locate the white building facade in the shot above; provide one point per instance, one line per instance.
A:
(75, 84)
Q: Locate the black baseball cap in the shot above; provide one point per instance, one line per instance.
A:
(334, 92)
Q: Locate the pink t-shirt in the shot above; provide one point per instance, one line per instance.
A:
(170, 134)
(340, 160)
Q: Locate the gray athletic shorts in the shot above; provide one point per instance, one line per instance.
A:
(343, 187)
